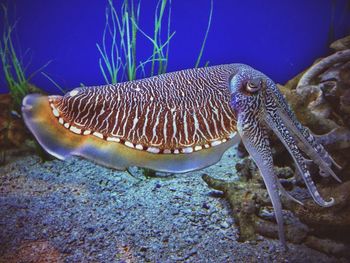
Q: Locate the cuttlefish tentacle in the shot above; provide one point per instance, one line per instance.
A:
(177, 122)
(257, 144)
(287, 194)
(288, 139)
(309, 142)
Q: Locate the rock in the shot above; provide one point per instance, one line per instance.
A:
(39, 251)
(345, 102)
(241, 151)
(295, 231)
(336, 139)
(224, 225)
(331, 219)
(329, 246)
(319, 96)
(341, 44)
(13, 132)
(242, 196)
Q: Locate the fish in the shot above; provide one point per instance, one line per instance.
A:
(179, 122)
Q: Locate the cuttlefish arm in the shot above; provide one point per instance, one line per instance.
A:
(259, 106)
(306, 141)
(257, 144)
(289, 141)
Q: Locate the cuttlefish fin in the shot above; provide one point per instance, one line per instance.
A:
(52, 136)
(63, 143)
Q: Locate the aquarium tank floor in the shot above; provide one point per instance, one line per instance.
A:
(76, 211)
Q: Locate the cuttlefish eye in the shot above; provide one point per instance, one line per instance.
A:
(253, 85)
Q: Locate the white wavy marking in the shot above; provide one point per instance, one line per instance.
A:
(176, 113)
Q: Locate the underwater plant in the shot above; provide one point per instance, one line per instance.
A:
(205, 37)
(118, 58)
(118, 62)
(179, 122)
(121, 55)
(158, 55)
(12, 66)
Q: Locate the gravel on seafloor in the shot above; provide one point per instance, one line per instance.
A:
(77, 211)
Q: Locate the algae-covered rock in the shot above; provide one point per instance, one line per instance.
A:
(324, 229)
(332, 218)
(251, 207)
(242, 198)
(328, 246)
(12, 129)
(341, 44)
(320, 98)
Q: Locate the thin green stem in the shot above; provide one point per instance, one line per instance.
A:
(53, 82)
(168, 36)
(120, 62)
(206, 35)
(12, 66)
(157, 53)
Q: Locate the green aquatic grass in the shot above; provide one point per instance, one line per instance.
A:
(12, 66)
(119, 60)
(118, 47)
(107, 61)
(53, 82)
(158, 54)
(205, 36)
(159, 58)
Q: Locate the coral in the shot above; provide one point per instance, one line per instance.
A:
(320, 228)
(320, 66)
(330, 219)
(242, 198)
(12, 130)
(251, 208)
(14, 135)
(320, 97)
(328, 246)
(341, 44)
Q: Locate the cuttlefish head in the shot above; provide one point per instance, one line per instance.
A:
(259, 106)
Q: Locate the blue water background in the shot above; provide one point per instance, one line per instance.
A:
(280, 38)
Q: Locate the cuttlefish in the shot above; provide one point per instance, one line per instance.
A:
(179, 122)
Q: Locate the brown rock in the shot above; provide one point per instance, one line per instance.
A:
(341, 44)
(12, 129)
(40, 251)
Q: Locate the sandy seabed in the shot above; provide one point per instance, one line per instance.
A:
(76, 211)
